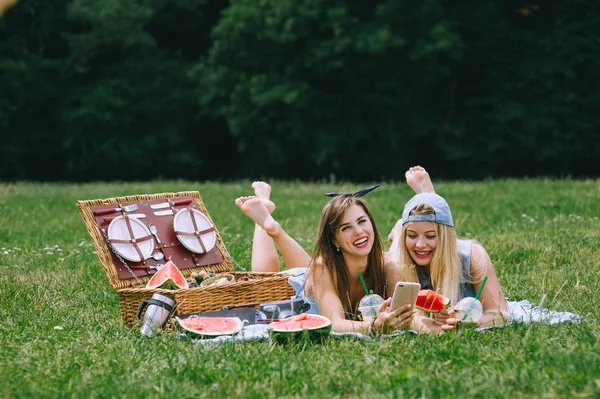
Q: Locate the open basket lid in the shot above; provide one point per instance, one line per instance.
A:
(194, 230)
(112, 266)
(130, 238)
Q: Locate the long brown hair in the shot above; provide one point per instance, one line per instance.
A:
(333, 261)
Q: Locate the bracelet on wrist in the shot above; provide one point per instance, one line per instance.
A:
(371, 330)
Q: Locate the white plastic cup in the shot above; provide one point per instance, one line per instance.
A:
(369, 306)
(468, 310)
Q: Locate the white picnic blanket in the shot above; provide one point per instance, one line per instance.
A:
(519, 312)
(525, 312)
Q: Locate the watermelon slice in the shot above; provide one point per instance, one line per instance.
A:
(169, 277)
(431, 301)
(303, 326)
(204, 327)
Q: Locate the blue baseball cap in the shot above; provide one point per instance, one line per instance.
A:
(440, 206)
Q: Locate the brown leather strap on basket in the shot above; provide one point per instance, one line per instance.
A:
(132, 240)
(94, 212)
(195, 233)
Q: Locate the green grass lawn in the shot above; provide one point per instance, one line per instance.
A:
(62, 334)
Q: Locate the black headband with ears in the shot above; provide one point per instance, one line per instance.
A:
(359, 193)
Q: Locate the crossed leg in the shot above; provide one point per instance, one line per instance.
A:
(418, 179)
(268, 233)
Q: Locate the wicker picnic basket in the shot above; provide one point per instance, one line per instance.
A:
(129, 279)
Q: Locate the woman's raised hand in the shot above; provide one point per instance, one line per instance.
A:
(389, 320)
(443, 315)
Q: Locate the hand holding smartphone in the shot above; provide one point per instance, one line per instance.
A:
(405, 292)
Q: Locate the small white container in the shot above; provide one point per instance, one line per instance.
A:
(369, 306)
(468, 309)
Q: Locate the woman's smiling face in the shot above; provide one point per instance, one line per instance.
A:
(355, 233)
(421, 242)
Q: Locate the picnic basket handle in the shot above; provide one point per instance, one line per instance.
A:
(143, 304)
(304, 307)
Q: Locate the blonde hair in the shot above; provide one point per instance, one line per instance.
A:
(445, 270)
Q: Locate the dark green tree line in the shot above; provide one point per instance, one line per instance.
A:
(100, 91)
(298, 89)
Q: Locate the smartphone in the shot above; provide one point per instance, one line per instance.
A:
(405, 292)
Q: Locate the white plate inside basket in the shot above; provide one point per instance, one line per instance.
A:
(117, 230)
(183, 222)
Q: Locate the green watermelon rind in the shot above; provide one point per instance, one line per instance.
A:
(198, 334)
(316, 334)
(169, 284)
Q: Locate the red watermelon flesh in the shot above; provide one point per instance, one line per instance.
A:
(311, 326)
(303, 321)
(169, 277)
(431, 301)
(210, 326)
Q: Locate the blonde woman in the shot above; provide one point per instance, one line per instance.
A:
(425, 248)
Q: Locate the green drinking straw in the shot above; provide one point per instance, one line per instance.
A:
(481, 287)
(362, 280)
(478, 293)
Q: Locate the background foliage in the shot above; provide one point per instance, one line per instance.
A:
(298, 89)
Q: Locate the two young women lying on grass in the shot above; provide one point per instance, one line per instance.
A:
(424, 248)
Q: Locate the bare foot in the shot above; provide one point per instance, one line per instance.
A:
(241, 200)
(268, 203)
(256, 210)
(418, 179)
(263, 191)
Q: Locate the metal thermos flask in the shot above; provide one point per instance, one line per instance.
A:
(159, 308)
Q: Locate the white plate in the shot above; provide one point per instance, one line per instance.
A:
(183, 222)
(117, 230)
